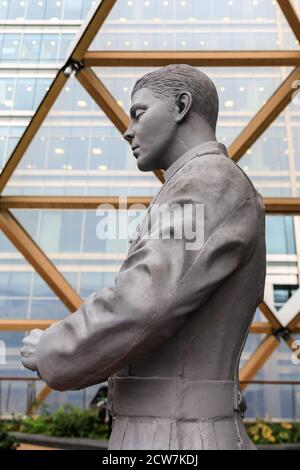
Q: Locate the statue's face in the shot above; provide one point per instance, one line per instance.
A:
(151, 130)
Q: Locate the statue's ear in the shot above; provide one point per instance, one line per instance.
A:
(184, 101)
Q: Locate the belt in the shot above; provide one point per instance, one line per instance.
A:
(173, 398)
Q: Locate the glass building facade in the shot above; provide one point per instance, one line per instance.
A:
(78, 151)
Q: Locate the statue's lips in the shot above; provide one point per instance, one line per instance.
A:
(135, 151)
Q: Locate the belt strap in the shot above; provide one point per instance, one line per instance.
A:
(173, 398)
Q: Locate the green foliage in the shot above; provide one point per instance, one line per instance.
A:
(7, 442)
(274, 433)
(66, 421)
(69, 421)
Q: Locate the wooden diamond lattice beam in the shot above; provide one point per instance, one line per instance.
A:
(195, 58)
(274, 205)
(269, 344)
(291, 16)
(264, 118)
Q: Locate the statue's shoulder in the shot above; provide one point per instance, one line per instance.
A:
(221, 168)
(209, 177)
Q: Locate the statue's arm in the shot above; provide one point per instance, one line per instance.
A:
(158, 285)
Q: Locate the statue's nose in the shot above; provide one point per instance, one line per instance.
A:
(128, 134)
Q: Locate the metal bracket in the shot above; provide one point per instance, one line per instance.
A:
(72, 66)
(282, 333)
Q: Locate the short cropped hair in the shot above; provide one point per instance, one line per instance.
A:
(167, 82)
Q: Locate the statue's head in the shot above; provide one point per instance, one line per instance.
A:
(163, 100)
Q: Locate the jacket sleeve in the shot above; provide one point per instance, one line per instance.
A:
(158, 285)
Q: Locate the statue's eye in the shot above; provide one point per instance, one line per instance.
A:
(138, 115)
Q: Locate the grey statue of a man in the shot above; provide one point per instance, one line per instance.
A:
(171, 331)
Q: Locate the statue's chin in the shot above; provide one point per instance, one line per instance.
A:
(143, 166)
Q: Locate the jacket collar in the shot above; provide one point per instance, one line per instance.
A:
(209, 147)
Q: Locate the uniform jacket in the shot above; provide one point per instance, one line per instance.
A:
(170, 333)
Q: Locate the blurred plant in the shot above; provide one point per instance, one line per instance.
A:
(66, 421)
(263, 432)
(7, 442)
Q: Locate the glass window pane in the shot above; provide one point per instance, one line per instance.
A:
(49, 309)
(4, 9)
(92, 282)
(14, 284)
(53, 9)
(50, 48)
(17, 9)
(31, 47)
(280, 235)
(36, 9)
(195, 25)
(7, 91)
(73, 9)
(10, 47)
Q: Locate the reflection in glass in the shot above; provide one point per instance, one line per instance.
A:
(194, 25)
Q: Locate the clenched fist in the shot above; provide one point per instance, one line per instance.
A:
(28, 350)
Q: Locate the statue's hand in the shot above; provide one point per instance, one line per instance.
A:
(28, 350)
